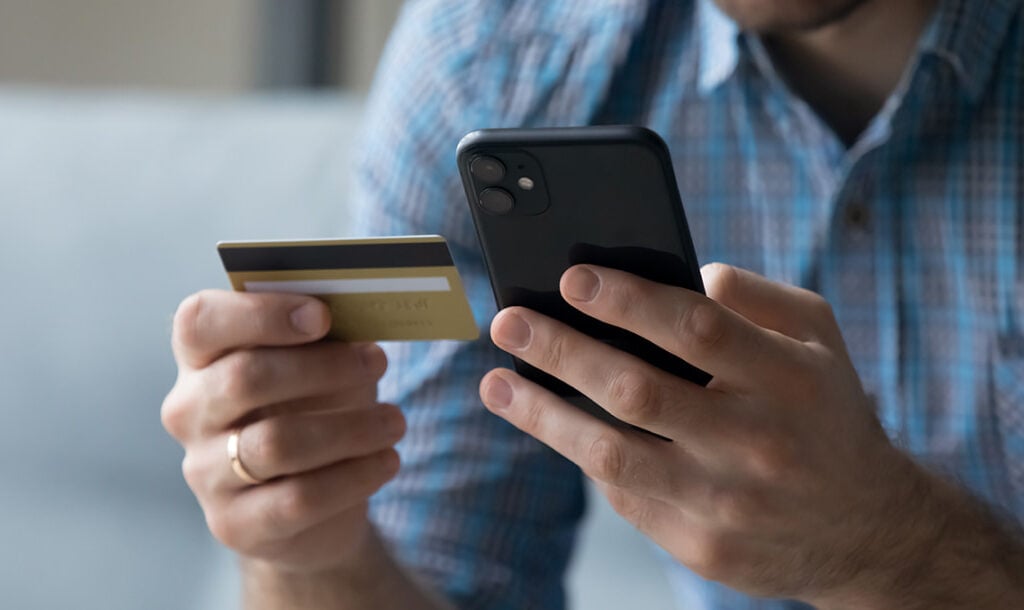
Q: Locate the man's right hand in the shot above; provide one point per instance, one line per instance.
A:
(310, 427)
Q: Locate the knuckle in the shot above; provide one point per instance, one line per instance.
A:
(345, 366)
(386, 467)
(736, 508)
(391, 462)
(292, 504)
(186, 319)
(532, 414)
(241, 375)
(393, 422)
(379, 430)
(624, 298)
(255, 310)
(825, 320)
(191, 472)
(223, 528)
(703, 324)
(607, 459)
(710, 555)
(174, 414)
(771, 457)
(820, 307)
(266, 443)
(620, 502)
(371, 368)
(556, 353)
(297, 433)
(628, 506)
(634, 395)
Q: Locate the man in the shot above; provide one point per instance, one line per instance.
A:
(868, 151)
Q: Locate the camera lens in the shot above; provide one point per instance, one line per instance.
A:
(487, 169)
(497, 201)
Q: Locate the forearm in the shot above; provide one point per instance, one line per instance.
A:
(957, 553)
(378, 581)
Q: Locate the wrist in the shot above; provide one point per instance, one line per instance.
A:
(277, 584)
(892, 548)
(940, 549)
(370, 578)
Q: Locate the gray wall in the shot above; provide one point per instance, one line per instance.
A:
(206, 45)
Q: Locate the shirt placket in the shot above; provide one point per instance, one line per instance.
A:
(852, 261)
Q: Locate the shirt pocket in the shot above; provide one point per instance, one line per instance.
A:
(1009, 408)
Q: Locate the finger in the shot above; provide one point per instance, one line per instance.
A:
(688, 324)
(293, 444)
(626, 386)
(637, 462)
(282, 508)
(307, 439)
(212, 322)
(348, 398)
(243, 381)
(790, 310)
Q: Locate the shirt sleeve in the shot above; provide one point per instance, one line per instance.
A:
(480, 511)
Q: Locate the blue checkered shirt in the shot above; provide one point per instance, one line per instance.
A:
(915, 234)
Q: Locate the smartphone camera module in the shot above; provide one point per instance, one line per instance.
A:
(487, 170)
(504, 181)
(497, 201)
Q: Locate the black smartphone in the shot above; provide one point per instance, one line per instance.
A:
(544, 200)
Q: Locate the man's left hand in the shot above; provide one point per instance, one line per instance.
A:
(780, 481)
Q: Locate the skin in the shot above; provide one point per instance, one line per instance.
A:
(311, 427)
(747, 493)
(843, 68)
(770, 16)
(779, 482)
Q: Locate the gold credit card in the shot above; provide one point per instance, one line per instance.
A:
(378, 289)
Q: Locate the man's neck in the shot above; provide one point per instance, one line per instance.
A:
(845, 70)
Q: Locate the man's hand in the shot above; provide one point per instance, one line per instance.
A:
(309, 426)
(780, 481)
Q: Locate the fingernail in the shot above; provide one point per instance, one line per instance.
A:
(582, 284)
(307, 319)
(514, 332)
(498, 393)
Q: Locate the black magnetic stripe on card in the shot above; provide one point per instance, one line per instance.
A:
(337, 256)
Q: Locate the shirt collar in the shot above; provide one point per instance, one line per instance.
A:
(967, 35)
(719, 46)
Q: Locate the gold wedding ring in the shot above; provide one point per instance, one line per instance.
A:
(236, 461)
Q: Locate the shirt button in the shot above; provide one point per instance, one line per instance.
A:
(857, 216)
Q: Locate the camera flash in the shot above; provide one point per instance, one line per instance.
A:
(525, 183)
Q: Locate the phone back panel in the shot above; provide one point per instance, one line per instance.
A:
(602, 195)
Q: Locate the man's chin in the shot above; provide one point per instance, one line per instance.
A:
(778, 16)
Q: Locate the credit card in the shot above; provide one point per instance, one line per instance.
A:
(378, 289)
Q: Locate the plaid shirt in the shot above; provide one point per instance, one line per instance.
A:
(914, 234)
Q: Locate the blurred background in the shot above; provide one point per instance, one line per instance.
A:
(134, 134)
(231, 46)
